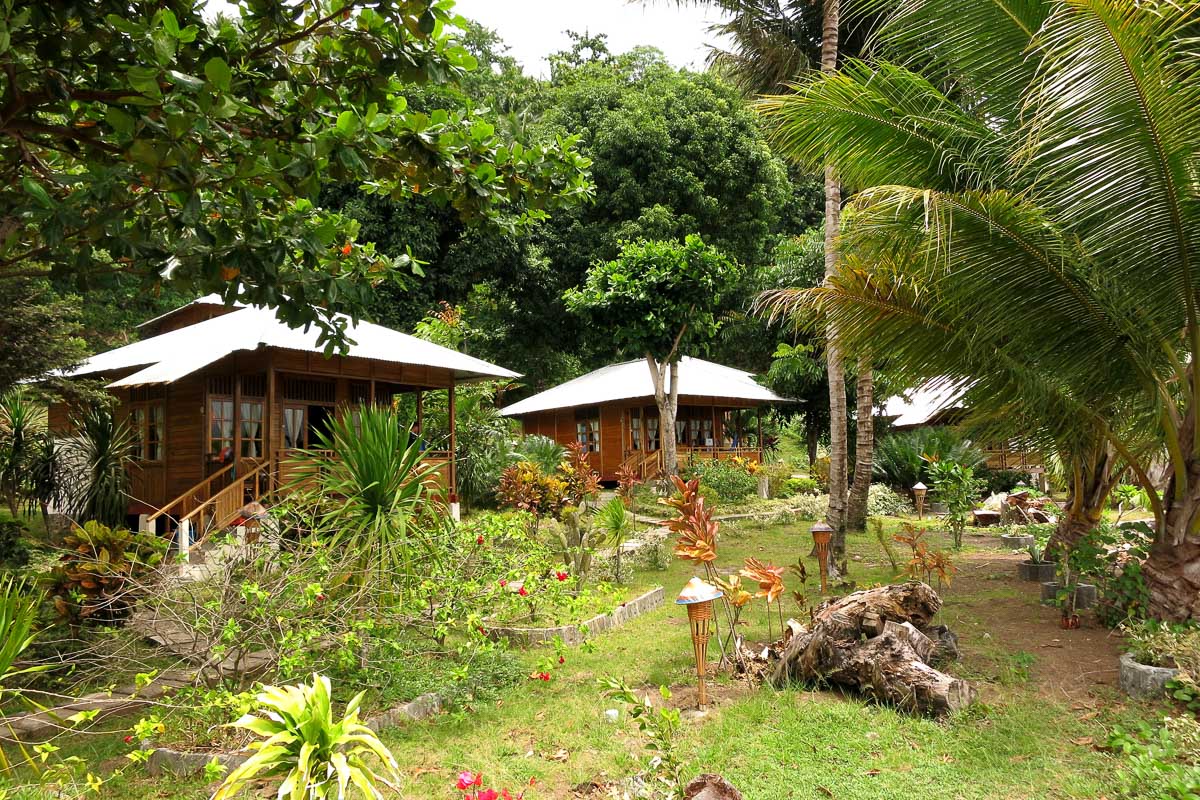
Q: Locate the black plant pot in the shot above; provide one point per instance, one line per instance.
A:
(1037, 573)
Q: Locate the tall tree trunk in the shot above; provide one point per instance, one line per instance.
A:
(836, 513)
(812, 434)
(1094, 475)
(666, 397)
(864, 446)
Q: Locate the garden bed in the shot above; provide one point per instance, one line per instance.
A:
(578, 632)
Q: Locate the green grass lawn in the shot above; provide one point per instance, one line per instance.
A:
(1030, 737)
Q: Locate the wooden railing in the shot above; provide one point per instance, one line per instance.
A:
(224, 506)
(194, 497)
(646, 464)
(714, 452)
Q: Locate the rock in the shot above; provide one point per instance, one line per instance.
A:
(710, 787)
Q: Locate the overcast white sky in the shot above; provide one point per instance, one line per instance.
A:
(533, 29)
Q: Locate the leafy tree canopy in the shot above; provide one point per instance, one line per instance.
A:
(673, 152)
(39, 329)
(658, 297)
(139, 138)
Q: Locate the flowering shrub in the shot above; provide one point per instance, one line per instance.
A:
(809, 506)
(471, 785)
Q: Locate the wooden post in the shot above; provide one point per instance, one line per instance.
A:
(713, 413)
(237, 421)
(270, 422)
(421, 412)
(452, 466)
(371, 397)
(758, 415)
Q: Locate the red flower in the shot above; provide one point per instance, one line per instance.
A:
(503, 583)
(128, 740)
(562, 660)
(346, 249)
(487, 794)
(479, 540)
(522, 591)
(545, 676)
(482, 630)
(321, 597)
(562, 576)
(468, 779)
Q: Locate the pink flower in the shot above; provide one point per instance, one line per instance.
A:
(468, 779)
(487, 794)
(503, 583)
(523, 592)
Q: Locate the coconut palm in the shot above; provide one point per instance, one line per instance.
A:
(1026, 223)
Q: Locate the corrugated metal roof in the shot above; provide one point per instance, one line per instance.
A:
(170, 356)
(922, 404)
(631, 380)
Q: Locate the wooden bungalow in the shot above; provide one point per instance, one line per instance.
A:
(218, 396)
(612, 412)
(939, 403)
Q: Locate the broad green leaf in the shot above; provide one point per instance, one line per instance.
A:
(218, 73)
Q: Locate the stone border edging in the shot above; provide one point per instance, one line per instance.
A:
(571, 634)
(182, 763)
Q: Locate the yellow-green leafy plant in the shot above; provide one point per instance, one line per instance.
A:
(316, 756)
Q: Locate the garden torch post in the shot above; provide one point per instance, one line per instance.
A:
(698, 596)
(822, 535)
(919, 490)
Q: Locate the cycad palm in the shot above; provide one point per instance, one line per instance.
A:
(1029, 224)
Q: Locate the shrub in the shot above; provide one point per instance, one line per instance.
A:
(543, 451)
(1158, 762)
(795, 486)
(819, 470)
(957, 487)
(524, 487)
(13, 551)
(883, 502)
(1111, 557)
(1002, 481)
(903, 458)
(731, 481)
(316, 755)
(810, 506)
(97, 577)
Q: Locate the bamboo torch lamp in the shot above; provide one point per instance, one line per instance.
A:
(919, 491)
(822, 534)
(698, 596)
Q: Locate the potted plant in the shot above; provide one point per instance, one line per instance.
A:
(1068, 593)
(1149, 661)
(1015, 538)
(1037, 567)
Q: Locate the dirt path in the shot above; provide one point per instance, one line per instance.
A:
(1004, 629)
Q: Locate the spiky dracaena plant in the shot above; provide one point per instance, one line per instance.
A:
(1026, 226)
(316, 756)
(616, 523)
(368, 484)
(97, 458)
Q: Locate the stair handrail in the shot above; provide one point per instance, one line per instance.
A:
(190, 493)
(239, 482)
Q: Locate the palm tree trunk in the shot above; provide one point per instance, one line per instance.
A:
(864, 445)
(836, 513)
(1095, 474)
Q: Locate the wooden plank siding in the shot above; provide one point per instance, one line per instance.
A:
(615, 436)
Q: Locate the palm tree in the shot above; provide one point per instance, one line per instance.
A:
(1027, 224)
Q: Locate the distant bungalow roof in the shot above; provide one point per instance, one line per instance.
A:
(175, 354)
(924, 404)
(631, 380)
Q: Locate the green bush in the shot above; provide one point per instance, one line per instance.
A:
(810, 506)
(795, 486)
(1002, 481)
(730, 481)
(13, 552)
(903, 459)
(883, 502)
(1159, 763)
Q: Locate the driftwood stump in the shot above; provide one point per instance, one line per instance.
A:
(880, 642)
(710, 787)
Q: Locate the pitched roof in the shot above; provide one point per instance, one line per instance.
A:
(922, 404)
(631, 380)
(172, 355)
